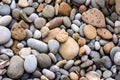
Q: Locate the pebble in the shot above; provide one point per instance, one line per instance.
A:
(69, 64)
(82, 8)
(40, 7)
(81, 30)
(44, 78)
(94, 17)
(92, 75)
(87, 49)
(76, 22)
(71, 50)
(16, 13)
(8, 52)
(37, 73)
(53, 58)
(6, 35)
(115, 38)
(97, 45)
(53, 46)
(29, 10)
(116, 58)
(83, 78)
(104, 33)
(80, 1)
(6, 1)
(117, 23)
(62, 36)
(37, 34)
(30, 63)
(35, 4)
(87, 2)
(29, 34)
(107, 74)
(100, 3)
(78, 16)
(84, 58)
(70, 32)
(73, 76)
(64, 77)
(55, 22)
(24, 24)
(81, 41)
(86, 64)
(44, 60)
(15, 69)
(20, 45)
(13, 4)
(23, 3)
(33, 16)
(4, 10)
(117, 6)
(54, 68)
(61, 63)
(18, 32)
(37, 45)
(44, 31)
(64, 9)
(89, 29)
(114, 69)
(5, 20)
(67, 21)
(107, 62)
(114, 17)
(48, 11)
(40, 1)
(49, 74)
(109, 22)
(81, 50)
(9, 43)
(94, 54)
(24, 52)
(75, 28)
(72, 14)
(64, 72)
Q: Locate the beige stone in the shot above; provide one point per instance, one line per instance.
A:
(73, 76)
(23, 3)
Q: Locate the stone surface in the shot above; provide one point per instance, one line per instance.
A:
(6, 35)
(64, 9)
(15, 69)
(94, 17)
(90, 32)
(29, 10)
(69, 49)
(104, 33)
(30, 63)
(5, 20)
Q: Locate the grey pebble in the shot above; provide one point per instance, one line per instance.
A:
(74, 68)
(54, 68)
(28, 33)
(82, 72)
(110, 28)
(70, 32)
(40, 1)
(13, 4)
(107, 61)
(63, 27)
(30, 63)
(117, 58)
(80, 1)
(105, 11)
(5, 20)
(9, 43)
(100, 3)
(114, 16)
(69, 64)
(98, 38)
(102, 52)
(75, 28)
(86, 64)
(94, 54)
(116, 30)
(59, 57)
(37, 74)
(32, 28)
(29, 10)
(6, 79)
(87, 2)
(72, 14)
(49, 74)
(4, 57)
(58, 76)
(115, 38)
(66, 21)
(64, 72)
(35, 4)
(117, 77)
(109, 22)
(53, 58)
(78, 16)
(97, 45)
(33, 16)
(84, 58)
(117, 23)
(81, 30)
(20, 45)
(107, 74)
(8, 52)
(93, 3)
(53, 46)
(87, 49)
(76, 22)
(103, 42)
(37, 44)
(4, 10)
(114, 69)
(37, 34)
(99, 72)
(16, 13)
(30, 2)
(64, 77)
(48, 1)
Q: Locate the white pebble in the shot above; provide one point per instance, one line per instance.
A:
(20, 45)
(117, 23)
(9, 43)
(75, 27)
(97, 45)
(78, 16)
(87, 49)
(8, 52)
(37, 34)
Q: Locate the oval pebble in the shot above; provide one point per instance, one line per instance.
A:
(37, 34)
(68, 64)
(74, 27)
(8, 52)
(4, 10)
(49, 74)
(5, 20)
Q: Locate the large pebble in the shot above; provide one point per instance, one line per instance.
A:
(44, 60)
(30, 63)
(6, 35)
(108, 46)
(48, 11)
(5, 20)
(73, 76)
(90, 31)
(107, 61)
(69, 49)
(16, 67)
(117, 6)
(53, 46)
(117, 58)
(37, 34)
(92, 75)
(29, 10)
(23, 3)
(67, 21)
(49, 74)
(4, 10)
(94, 17)
(44, 32)
(8, 52)
(107, 74)
(37, 44)
(80, 1)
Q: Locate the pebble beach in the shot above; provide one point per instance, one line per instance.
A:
(60, 40)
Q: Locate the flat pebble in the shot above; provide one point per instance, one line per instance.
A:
(67, 21)
(86, 64)
(29, 10)
(75, 28)
(8, 52)
(78, 16)
(87, 49)
(73, 76)
(30, 63)
(44, 32)
(13, 4)
(53, 58)
(48, 73)
(37, 34)
(117, 23)
(107, 61)
(69, 64)
(33, 16)
(94, 54)
(9, 43)
(107, 74)
(77, 22)
(54, 68)
(4, 10)
(24, 52)
(84, 58)
(97, 45)
(117, 58)
(38, 45)
(5, 20)
(64, 72)
(92, 75)
(72, 14)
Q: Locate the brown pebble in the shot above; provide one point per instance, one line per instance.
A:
(61, 63)
(73, 76)
(107, 47)
(104, 33)
(83, 78)
(43, 78)
(44, 31)
(18, 32)
(23, 24)
(76, 36)
(40, 7)
(82, 8)
(64, 9)
(62, 36)
(77, 62)
(81, 51)
(111, 2)
(81, 41)
(58, 1)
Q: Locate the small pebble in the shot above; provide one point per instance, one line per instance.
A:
(107, 74)
(49, 74)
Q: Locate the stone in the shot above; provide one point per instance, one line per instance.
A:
(81, 41)
(16, 67)
(94, 17)
(86, 64)
(107, 47)
(44, 31)
(72, 14)
(16, 13)
(77, 22)
(4, 10)
(78, 16)
(56, 8)
(104, 33)
(83, 78)
(73, 76)
(74, 27)
(79, 1)
(23, 24)
(55, 22)
(37, 45)
(69, 64)
(87, 49)
(94, 54)
(33, 16)
(13, 4)
(6, 35)
(53, 46)
(29, 10)
(30, 63)
(82, 8)
(117, 6)
(14, 47)
(52, 34)
(23, 3)
(8, 52)
(37, 34)
(39, 22)
(90, 32)
(117, 23)
(62, 36)
(81, 50)
(48, 11)
(53, 57)
(54, 68)
(18, 32)
(40, 7)
(5, 20)
(100, 3)
(97, 45)
(92, 75)
(67, 21)
(106, 61)
(107, 74)
(44, 60)
(64, 9)
(6, 1)
(24, 52)
(69, 49)
(61, 63)
(117, 58)
(64, 72)
(9, 43)
(49, 74)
